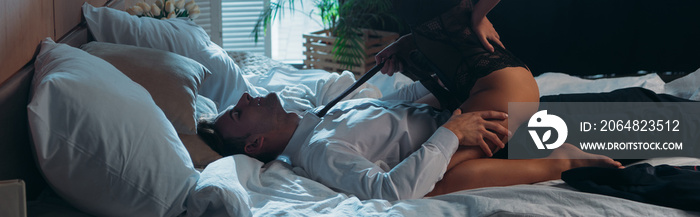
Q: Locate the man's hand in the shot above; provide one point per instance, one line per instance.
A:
(391, 54)
(474, 128)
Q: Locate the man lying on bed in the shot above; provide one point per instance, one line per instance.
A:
(380, 149)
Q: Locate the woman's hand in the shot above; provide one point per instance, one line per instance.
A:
(474, 128)
(485, 32)
(391, 54)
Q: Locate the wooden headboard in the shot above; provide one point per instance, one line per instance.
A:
(25, 24)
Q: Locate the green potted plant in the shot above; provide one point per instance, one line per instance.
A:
(352, 31)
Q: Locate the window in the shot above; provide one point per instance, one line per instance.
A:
(210, 19)
(238, 19)
(283, 40)
(287, 41)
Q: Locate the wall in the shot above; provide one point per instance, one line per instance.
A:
(26, 23)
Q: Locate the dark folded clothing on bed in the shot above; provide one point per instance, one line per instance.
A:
(632, 94)
(671, 186)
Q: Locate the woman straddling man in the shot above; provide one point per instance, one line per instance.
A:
(457, 54)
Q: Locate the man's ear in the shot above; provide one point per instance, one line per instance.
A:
(254, 145)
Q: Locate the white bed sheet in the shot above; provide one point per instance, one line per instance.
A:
(559, 83)
(241, 186)
(686, 87)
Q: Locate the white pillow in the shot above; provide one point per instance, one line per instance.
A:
(200, 152)
(226, 84)
(220, 191)
(171, 79)
(204, 107)
(100, 140)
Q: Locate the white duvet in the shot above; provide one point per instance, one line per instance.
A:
(306, 89)
(242, 186)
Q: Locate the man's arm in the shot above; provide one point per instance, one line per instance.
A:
(340, 167)
(335, 164)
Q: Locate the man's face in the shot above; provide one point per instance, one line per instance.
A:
(252, 116)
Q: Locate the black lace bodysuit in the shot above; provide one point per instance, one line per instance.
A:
(449, 49)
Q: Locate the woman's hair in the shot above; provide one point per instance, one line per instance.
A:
(226, 147)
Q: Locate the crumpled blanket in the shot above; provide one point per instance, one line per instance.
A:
(301, 90)
(243, 186)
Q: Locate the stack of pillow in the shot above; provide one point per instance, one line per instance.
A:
(109, 121)
(173, 82)
(226, 84)
(101, 140)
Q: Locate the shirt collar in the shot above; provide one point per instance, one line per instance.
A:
(308, 122)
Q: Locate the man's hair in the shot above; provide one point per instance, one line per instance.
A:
(226, 147)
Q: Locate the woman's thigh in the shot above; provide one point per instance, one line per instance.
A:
(496, 90)
(493, 92)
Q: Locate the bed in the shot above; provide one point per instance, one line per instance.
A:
(242, 186)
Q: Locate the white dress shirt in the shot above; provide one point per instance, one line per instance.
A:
(374, 149)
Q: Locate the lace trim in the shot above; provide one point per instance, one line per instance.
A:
(453, 28)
